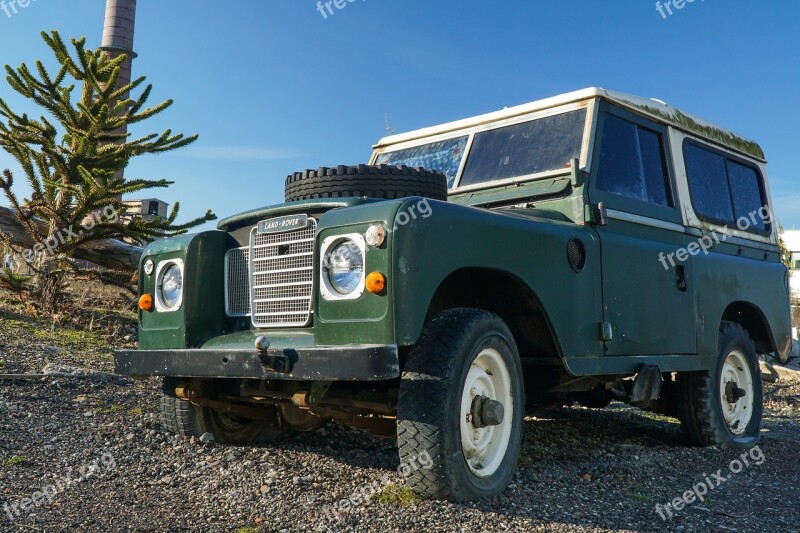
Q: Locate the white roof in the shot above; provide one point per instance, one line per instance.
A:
(792, 239)
(137, 200)
(656, 109)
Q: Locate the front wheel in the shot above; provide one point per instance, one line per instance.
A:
(460, 410)
(189, 420)
(724, 406)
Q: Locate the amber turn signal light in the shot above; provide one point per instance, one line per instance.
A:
(146, 302)
(376, 282)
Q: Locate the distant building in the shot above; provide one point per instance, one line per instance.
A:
(792, 240)
(147, 209)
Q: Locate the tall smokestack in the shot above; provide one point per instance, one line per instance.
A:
(118, 38)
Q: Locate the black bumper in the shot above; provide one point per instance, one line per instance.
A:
(339, 363)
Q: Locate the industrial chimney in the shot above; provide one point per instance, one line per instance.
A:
(118, 38)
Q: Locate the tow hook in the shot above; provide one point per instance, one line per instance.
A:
(275, 363)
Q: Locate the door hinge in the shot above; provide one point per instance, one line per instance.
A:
(596, 214)
(606, 333)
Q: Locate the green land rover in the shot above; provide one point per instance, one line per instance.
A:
(589, 247)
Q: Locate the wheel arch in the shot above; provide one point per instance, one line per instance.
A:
(508, 297)
(753, 320)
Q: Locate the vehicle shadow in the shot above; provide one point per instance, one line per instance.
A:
(544, 437)
(578, 468)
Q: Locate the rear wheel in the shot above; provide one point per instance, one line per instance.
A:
(724, 406)
(189, 420)
(460, 410)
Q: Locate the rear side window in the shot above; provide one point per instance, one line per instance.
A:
(725, 190)
(708, 184)
(746, 193)
(632, 162)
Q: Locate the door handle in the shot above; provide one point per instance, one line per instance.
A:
(680, 275)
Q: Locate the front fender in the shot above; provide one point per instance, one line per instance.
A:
(202, 313)
(427, 249)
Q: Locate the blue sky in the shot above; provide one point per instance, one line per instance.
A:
(272, 87)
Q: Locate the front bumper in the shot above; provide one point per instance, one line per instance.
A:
(324, 363)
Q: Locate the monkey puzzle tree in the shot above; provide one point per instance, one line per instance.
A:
(70, 159)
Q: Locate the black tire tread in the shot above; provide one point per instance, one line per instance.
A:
(700, 422)
(430, 361)
(177, 416)
(373, 181)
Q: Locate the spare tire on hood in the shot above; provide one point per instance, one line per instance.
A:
(372, 181)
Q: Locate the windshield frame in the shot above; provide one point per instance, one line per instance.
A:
(471, 132)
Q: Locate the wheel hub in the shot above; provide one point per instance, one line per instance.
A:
(733, 392)
(486, 412)
(736, 392)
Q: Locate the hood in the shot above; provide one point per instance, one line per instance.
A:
(305, 206)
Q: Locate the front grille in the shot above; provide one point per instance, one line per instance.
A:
(237, 282)
(282, 276)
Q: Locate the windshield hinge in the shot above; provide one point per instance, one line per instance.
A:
(576, 174)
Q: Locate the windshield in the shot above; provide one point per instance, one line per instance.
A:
(444, 156)
(548, 143)
(532, 147)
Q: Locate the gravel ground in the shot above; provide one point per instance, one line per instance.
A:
(581, 470)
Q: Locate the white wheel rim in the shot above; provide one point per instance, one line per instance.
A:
(485, 448)
(736, 378)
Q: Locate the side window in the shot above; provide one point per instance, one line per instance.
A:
(746, 194)
(724, 190)
(632, 162)
(708, 184)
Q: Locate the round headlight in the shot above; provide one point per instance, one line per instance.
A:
(346, 267)
(171, 285)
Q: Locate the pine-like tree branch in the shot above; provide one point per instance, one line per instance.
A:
(71, 154)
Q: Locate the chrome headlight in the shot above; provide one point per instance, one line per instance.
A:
(343, 267)
(346, 267)
(169, 285)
